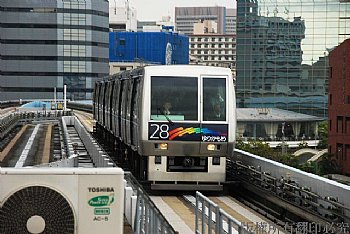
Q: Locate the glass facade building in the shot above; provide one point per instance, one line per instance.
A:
(48, 43)
(282, 52)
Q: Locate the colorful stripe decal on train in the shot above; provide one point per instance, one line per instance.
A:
(188, 132)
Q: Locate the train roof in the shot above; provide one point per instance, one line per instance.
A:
(182, 70)
(196, 68)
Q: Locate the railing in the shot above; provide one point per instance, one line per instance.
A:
(148, 218)
(211, 218)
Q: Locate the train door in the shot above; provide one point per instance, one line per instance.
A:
(107, 104)
(214, 115)
(104, 104)
(95, 101)
(109, 101)
(134, 112)
(125, 115)
(120, 109)
(115, 98)
(100, 102)
(128, 110)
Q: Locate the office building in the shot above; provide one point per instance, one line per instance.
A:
(231, 21)
(282, 52)
(207, 47)
(185, 17)
(46, 44)
(339, 106)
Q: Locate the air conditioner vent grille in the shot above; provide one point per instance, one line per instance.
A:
(36, 201)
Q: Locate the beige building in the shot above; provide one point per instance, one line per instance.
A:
(206, 26)
(209, 48)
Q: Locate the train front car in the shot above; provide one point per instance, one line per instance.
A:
(189, 121)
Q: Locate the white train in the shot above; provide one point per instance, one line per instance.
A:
(174, 124)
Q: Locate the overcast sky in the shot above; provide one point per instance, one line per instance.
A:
(155, 9)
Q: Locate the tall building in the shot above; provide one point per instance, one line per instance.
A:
(185, 17)
(282, 52)
(210, 48)
(339, 106)
(231, 21)
(48, 43)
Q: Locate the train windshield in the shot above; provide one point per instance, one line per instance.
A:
(214, 99)
(174, 98)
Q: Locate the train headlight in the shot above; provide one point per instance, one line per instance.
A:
(163, 146)
(211, 147)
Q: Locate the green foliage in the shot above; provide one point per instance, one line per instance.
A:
(323, 135)
(255, 147)
(310, 167)
(327, 165)
(264, 150)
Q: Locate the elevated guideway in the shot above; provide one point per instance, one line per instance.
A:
(311, 197)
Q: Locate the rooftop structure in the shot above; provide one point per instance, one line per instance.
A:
(122, 17)
(275, 126)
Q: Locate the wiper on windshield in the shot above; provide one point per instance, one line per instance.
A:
(165, 115)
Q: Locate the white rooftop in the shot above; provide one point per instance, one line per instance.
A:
(272, 115)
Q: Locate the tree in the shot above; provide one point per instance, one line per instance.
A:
(327, 165)
(323, 135)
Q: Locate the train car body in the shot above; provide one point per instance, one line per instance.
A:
(176, 124)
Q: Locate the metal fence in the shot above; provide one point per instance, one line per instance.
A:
(148, 218)
(210, 218)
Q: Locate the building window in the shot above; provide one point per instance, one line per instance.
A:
(347, 152)
(340, 124)
(347, 125)
(330, 125)
(339, 153)
(330, 99)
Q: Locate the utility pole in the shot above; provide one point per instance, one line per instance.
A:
(284, 150)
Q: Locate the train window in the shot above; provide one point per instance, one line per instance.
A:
(174, 98)
(214, 99)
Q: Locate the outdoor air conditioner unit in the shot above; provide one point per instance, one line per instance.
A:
(61, 200)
